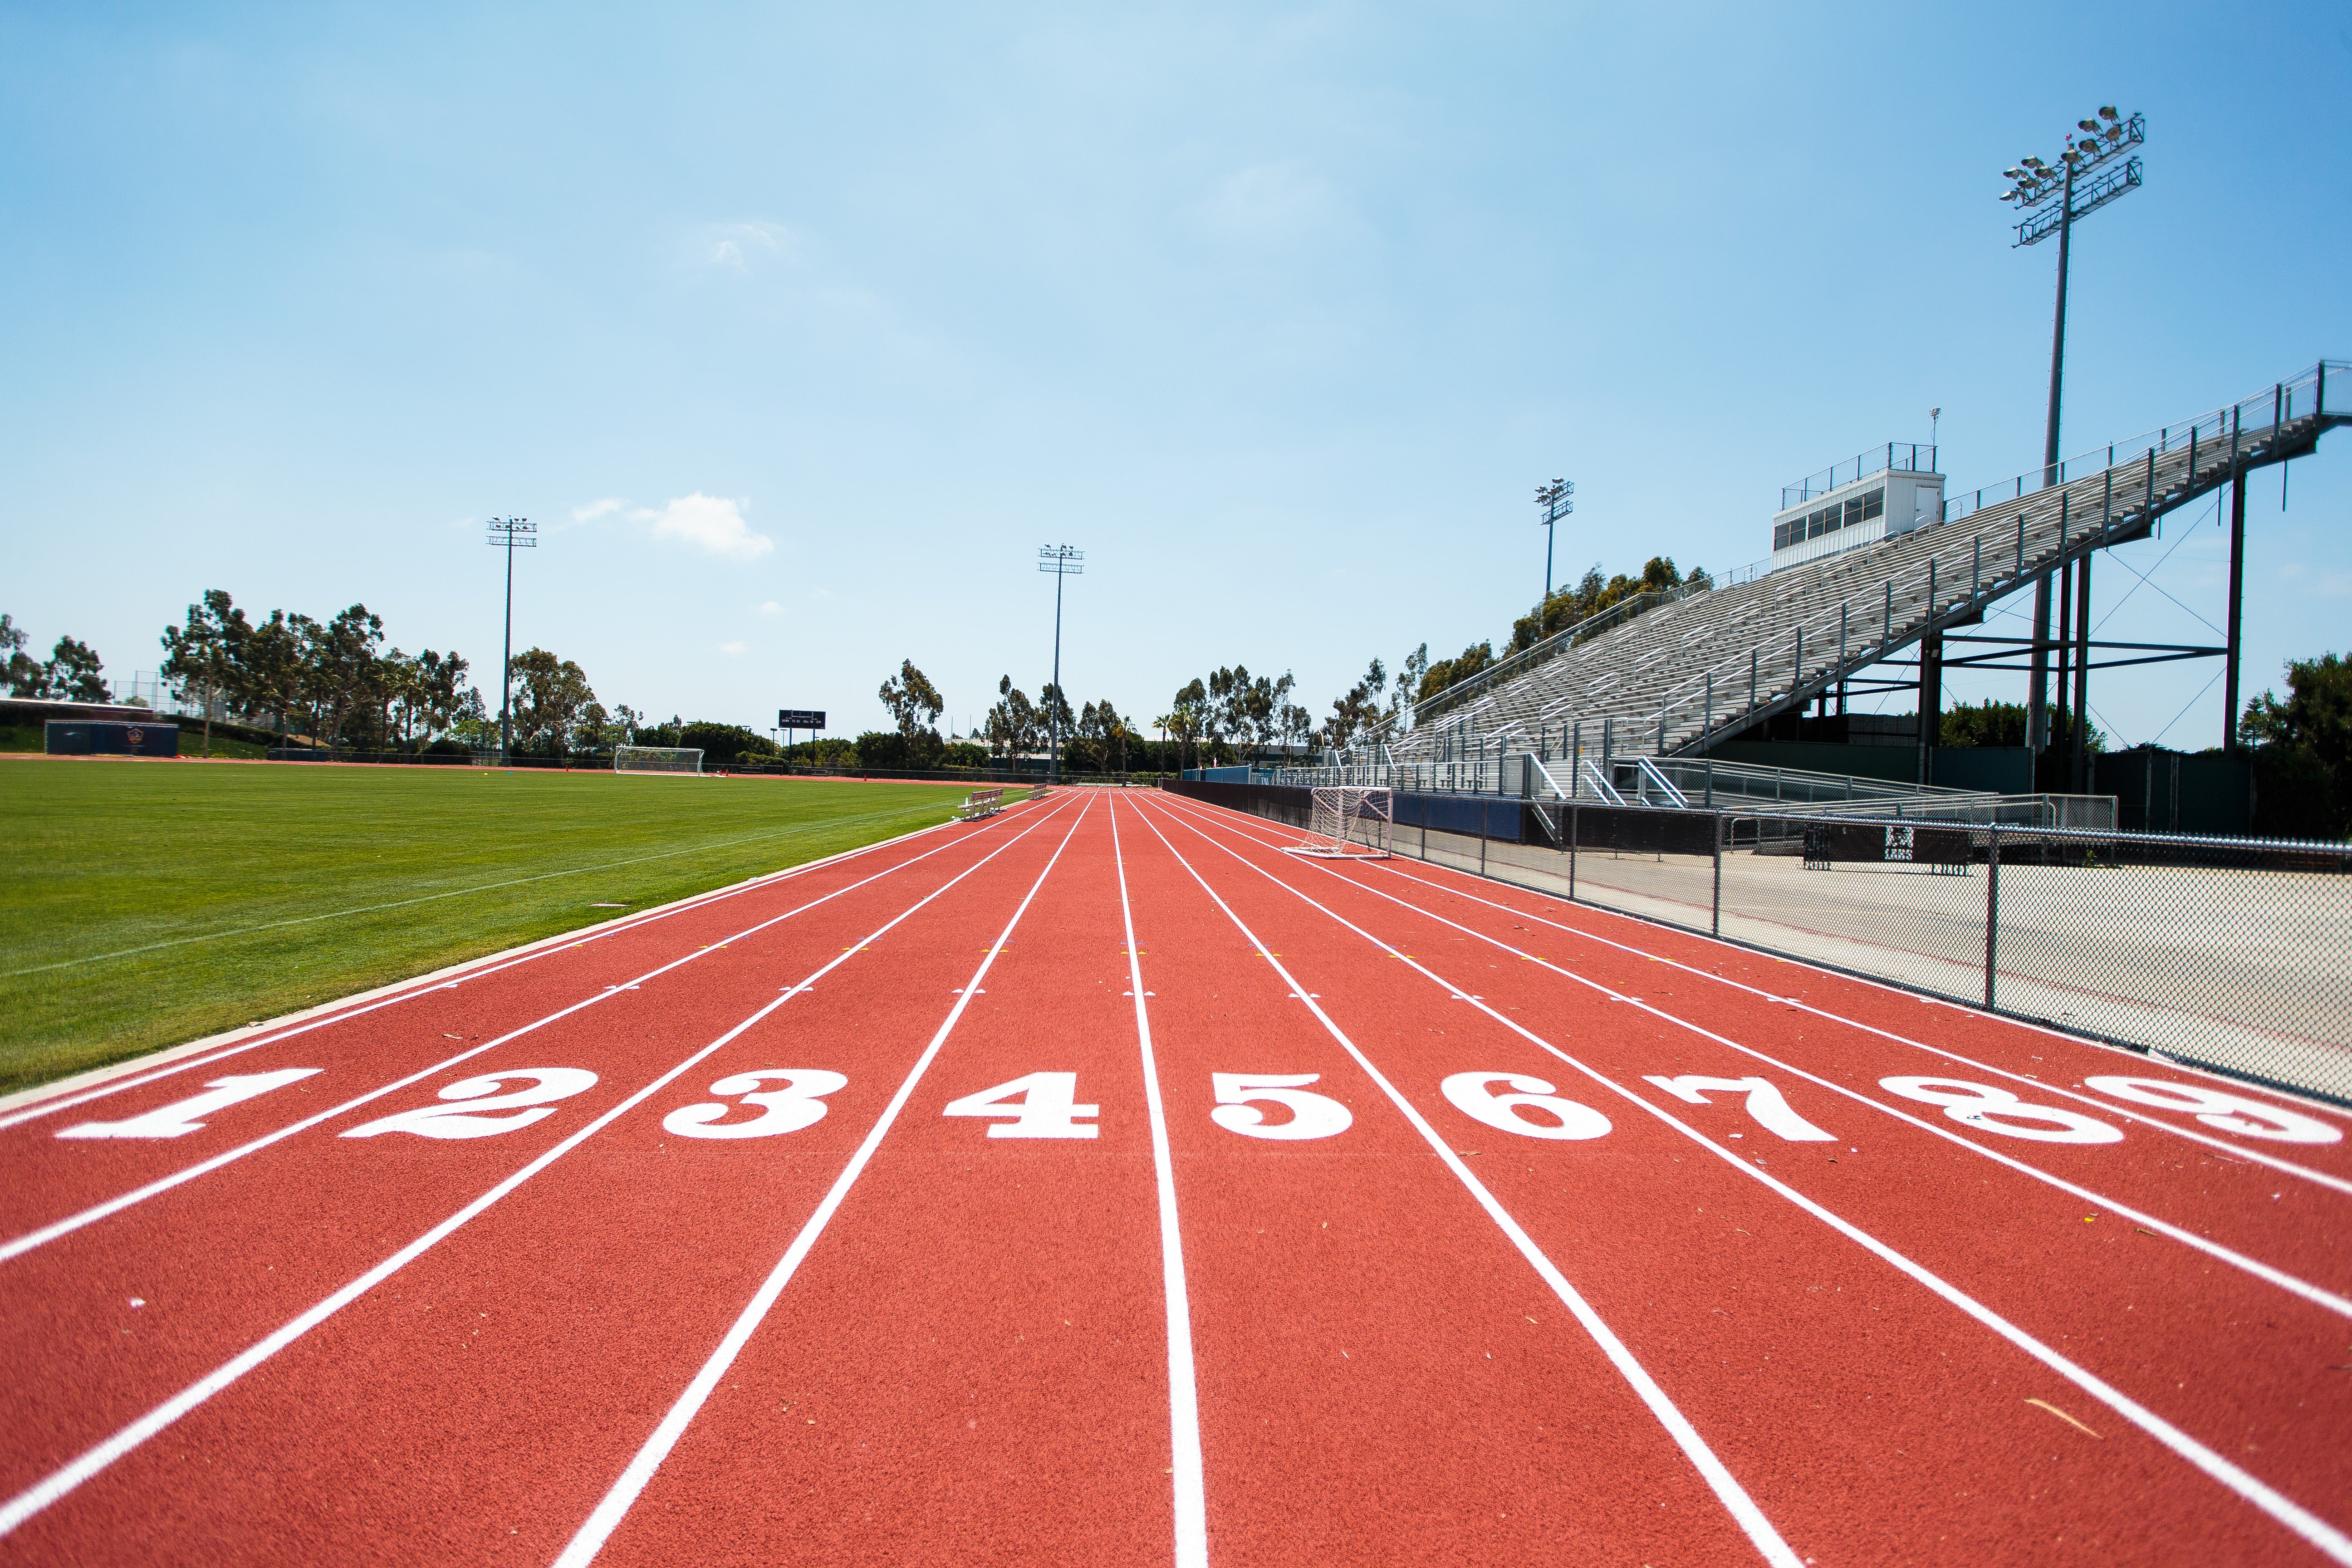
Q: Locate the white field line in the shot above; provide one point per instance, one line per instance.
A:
(2314, 1530)
(2255, 1155)
(1191, 1493)
(43, 1100)
(615, 1506)
(1718, 1476)
(18, 1246)
(67, 1477)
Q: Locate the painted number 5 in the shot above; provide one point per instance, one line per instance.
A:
(1311, 1115)
(1472, 1095)
(786, 1110)
(465, 1120)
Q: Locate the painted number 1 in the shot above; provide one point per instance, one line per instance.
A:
(186, 1116)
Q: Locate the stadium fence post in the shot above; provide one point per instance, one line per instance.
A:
(1714, 921)
(1992, 908)
(1571, 852)
(1482, 838)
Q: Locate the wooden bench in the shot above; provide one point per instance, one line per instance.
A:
(981, 802)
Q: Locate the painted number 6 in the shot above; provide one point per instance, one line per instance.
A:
(1995, 1110)
(1311, 1115)
(1473, 1096)
(787, 1110)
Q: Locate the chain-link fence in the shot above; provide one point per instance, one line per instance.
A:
(2231, 954)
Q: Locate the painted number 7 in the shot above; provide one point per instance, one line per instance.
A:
(1765, 1104)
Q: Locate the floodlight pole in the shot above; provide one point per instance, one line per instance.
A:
(510, 534)
(2044, 192)
(1556, 499)
(1062, 561)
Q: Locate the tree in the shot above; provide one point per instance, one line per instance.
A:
(551, 693)
(1012, 726)
(23, 672)
(912, 700)
(268, 673)
(340, 662)
(1446, 672)
(1355, 713)
(1411, 671)
(1987, 723)
(2303, 750)
(71, 674)
(1053, 713)
(1191, 720)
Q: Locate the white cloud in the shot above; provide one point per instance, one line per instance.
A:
(597, 509)
(714, 523)
(734, 649)
(741, 247)
(772, 608)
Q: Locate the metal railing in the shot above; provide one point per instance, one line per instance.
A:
(1877, 460)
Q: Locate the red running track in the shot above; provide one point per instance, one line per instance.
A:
(1098, 1183)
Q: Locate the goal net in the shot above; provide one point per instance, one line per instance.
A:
(1349, 821)
(656, 759)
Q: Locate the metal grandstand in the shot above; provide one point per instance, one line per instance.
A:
(1663, 676)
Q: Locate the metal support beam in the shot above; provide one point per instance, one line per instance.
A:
(2237, 604)
(2079, 765)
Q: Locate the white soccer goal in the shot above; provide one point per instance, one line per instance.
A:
(656, 759)
(1350, 822)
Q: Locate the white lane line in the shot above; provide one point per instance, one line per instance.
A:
(17, 1246)
(475, 969)
(66, 1479)
(1727, 1488)
(2241, 1150)
(616, 1502)
(1183, 1394)
(2314, 1530)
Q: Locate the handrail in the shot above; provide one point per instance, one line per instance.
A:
(1608, 790)
(1651, 769)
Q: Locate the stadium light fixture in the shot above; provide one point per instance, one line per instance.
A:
(1062, 561)
(2051, 198)
(1558, 499)
(509, 534)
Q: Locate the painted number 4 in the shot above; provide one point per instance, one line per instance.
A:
(1039, 1103)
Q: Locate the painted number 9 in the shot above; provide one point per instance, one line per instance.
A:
(1531, 1110)
(1993, 1110)
(2228, 1112)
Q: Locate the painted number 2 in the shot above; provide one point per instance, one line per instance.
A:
(1045, 1108)
(787, 1108)
(465, 1119)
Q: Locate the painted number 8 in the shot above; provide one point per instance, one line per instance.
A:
(1992, 1110)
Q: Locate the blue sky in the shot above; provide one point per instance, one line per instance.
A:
(798, 330)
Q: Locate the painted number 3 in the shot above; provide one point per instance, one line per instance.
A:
(797, 1103)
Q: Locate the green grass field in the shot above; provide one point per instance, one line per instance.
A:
(152, 902)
